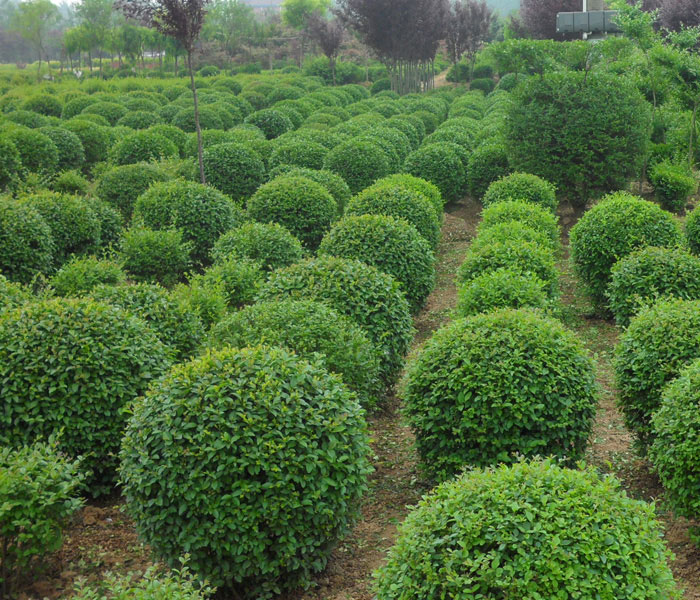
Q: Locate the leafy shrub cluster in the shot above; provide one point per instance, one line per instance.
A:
(502, 288)
(672, 184)
(440, 165)
(360, 163)
(155, 256)
(80, 275)
(522, 186)
(233, 169)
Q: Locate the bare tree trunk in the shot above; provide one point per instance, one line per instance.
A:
(196, 118)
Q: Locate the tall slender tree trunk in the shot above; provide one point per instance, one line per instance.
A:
(196, 118)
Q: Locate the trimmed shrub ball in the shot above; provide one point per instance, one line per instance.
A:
(12, 294)
(174, 134)
(208, 119)
(488, 388)
(139, 119)
(171, 320)
(502, 288)
(692, 231)
(37, 152)
(121, 186)
(109, 110)
(646, 275)
(236, 280)
(392, 245)
(439, 165)
(487, 164)
(71, 182)
(269, 244)
(301, 205)
(26, 244)
(359, 163)
(529, 530)
(522, 186)
(401, 203)
(94, 138)
(429, 190)
(659, 342)
(155, 256)
(300, 153)
(529, 215)
(333, 182)
(270, 121)
(234, 169)
(248, 439)
(675, 452)
(70, 149)
(44, 104)
(71, 366)
(10, 163)
(143, 146)
(79, 276)
(111, 222)
(199, 211)
(308, 328)
(511, 231)
(612, 229)
(673, 184)
(373, 299)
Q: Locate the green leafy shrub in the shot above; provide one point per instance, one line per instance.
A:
(39, 492)
(97, 120)
(359, 162)
(530, 215)
(301, 205)
(672, 184)
(269, 244)
(234, 169)
(487, 164)
(27, 118)
(174, 134)
(155, 256)
(272, 122)
(416, 184)
(109, 110)
(71, 366)
(300, 153)
(80, 275)
(611, 230)
(44, 104)
(70, 149)
(171, 320)
(139, 119)
(488, 388)
(392, 245)
(184, 459)
(12, 294)
(236, 280)
(484, 84)
(143, 146)
(74, 107)
(440, 165)
(37, 152)
(333, 182)
(208, 303)
(10, 163)
(658, 343)
(380, 85)
(513, 231)
(71, 182)
(522, 186)
(200, 212)
(541, 530)
(208, 119)
(502, 288)
(308, 328)
(111, 222)
(371, 298)
(95, 139)
(121, 186)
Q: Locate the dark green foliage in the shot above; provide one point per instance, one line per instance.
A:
(79, 276)
(71, 366)
(37, 152)
(46, 105)
(391, 245)
(272, 122)
(692, 231)
(488, 388)
(111, 222)
(484, 84)
(429, 119)
(440, 165)
(360, 163)
(611, 230)
(308, 327)
(121, 186)
(672, 184)
(200, 212)
(143, 146)
(70, 149)
(536, 529)
(482, 72)
(401, 124)
(371, 298)
(416, 184)
(246, 424)
(71, 182)
(660, 341)
(155, 256)
(139, 119)
(236, 280)
(208, 119)
(75, 106)
(454, 135)
(380, 85)
(301, 205)
(12, 294)
(522, 186)
(174, 134)
(171, 320)
(487, 164)
(527, 214)
(95, 139)
(595, 126)
(10, 163)
(109, 110)
(300, 153)
(27, 118)
(333, 182)
(234, 169)
(269, 244)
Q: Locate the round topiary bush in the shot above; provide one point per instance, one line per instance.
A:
(429, 190)
(10, 163)
(143, 146)
(269, 244)
(71, 182)
(300, 153)
(174, 134)
(401, 203)
(502, 288)
(308, 328)
(155, 256)
(74, 107)
(208, 119)
(27, 118)
(672, 184)
(522, 186)
(234, 169)
(392, 245)
(44, 104)
(175, 325)
(692, 231)
(541, 531)
(236, 280)
(95, 139)
(612, 229)
(487, 164)
(255, 439)
(647, 275)
(111, 111)
(79, 276)
(513, 231)
(333, 182)
(70, 149)
(439, 165)
(37, 152)
(301, 205)
(121, 186)
(360, 163)
(529, 215)
(272, 122)
(71, 366)
(488, 388)
(660, 341)
(12, 294)
(200, 212)
(139, 119)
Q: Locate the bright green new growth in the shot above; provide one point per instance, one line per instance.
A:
(80, 275)
(527, 214)
(502, 288)
(522, 186)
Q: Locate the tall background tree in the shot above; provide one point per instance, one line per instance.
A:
(468, 27)
(538, 18)
(96, 16)
(229, 22)
(296, 14)
(33, 20)
(676, 14)
(328, 34)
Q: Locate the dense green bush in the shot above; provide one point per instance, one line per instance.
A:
(200, 212)
(10, 163)
(26, 244)
(308, 327)
(371, 298)
(71, 182)
(71, 366)
(269, 244)
(37, 152)
(12, 294)
(95, 139)
(143, 146)
(529, 530)
(482, 83)
(236, 280)
(74, 107)
(301, 205)
(416, 184)
(596, 126)
(234, 169)
(611, 230)
(155, 256)
(208, 119)
(522, 186)
(672, 184)
(174, 134)
(111, 222)
(391, 245)
(530, 215)
(272, 122)
(27, 118)
(44, 104)
(70, 149)
(440, 165)
(139, 119)
(692, 231)
(502, 288)
(660, 341)
(255, 439)
(359, 163)
(491, 387)
(121, 186)
(109, 110)
(512, 231)
(79, 276)
(333, 182)
(487, 164)
(301, 153)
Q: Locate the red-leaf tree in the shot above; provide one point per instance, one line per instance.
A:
(468, 26)
(676, 14)
(539, 17)
(328, 34)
